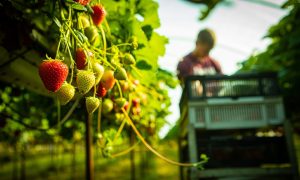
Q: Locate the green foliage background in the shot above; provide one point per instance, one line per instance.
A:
(137, 18)
(282, 56)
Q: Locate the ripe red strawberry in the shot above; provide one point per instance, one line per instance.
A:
(136, 102)
(83, 2)
(91, 103)
(65, 93)
(81, 59)
(108, 80)
(85, 81)
(101, 91)
(126, 106)
(53, 74)
(99, 14)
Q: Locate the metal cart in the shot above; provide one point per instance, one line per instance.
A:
(238, 121)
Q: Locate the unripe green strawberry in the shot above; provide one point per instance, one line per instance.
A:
(65, 93)
(120, 102)
(134, 42)
(107, 106)
(114, 50)
(85, 81)
(124, 85)
(114, 60)
(83, 22)
(53, 74)
(120, 74)
(91, 103)
(92, 34)
(98, 70)
(136, 110)
(119, 117)
(107, 150)
(77, 136)
(101, 140)
(128, 59)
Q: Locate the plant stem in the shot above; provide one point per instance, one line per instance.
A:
(154, 151)
(104, 41)
(58, 47)
(45, 129)
(119, 131)
(137, 71)
(126, 151)
(72, 62)
(73, 33)
(107, 27)
(69, 113)
(119, 88)
(99, 117)
(58, 111)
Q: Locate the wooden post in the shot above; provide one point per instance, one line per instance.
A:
(89, 148)
(15, 162)
(73, 175)
(23, 162)
(132, 156)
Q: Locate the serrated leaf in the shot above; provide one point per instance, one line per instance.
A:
(78, 7)
(143, 65)
(158, 43)
(149, 10)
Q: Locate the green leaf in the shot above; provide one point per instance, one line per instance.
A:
(57, 22)
(70, 1)
(78, 7)
(158, 43)
(143, 65)
(149, 10)
(148, 31)
(89, 9)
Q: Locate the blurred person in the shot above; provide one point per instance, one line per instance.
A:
(199, 62)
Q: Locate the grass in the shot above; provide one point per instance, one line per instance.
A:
(40, 165)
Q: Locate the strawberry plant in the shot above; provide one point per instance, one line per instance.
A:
(107, 54)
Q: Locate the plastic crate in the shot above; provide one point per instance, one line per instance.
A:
(230, 102)
(223, 117)
(235, 86)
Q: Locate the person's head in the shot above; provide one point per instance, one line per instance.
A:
(205, 41)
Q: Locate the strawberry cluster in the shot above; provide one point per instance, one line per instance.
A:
(94, 74)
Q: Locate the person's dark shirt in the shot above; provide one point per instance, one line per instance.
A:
(192, 65)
